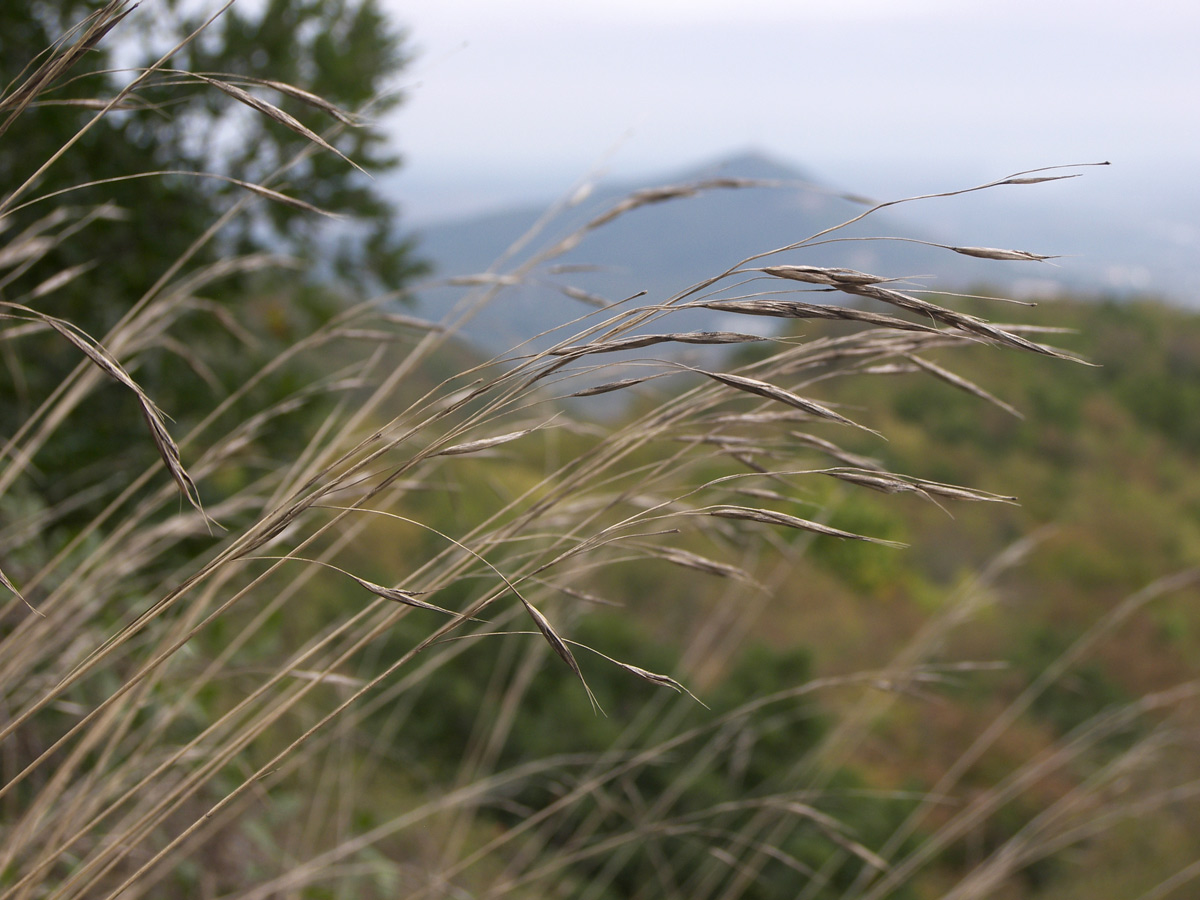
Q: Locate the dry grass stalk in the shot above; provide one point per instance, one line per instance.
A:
(771, 517)
(114, 780)
(795, 309)
(275, 114)
(61, 59)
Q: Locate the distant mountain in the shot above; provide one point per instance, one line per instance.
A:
(663, 248)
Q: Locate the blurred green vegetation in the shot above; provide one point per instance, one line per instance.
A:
(1108, 471)
(1109, 475)
(127, 201)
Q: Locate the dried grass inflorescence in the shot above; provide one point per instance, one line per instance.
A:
(138, 732)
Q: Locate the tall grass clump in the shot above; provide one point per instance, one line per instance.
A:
(380, 621)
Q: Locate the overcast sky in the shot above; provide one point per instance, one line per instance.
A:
(865, 93)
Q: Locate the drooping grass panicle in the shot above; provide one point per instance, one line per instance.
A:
(180, 688)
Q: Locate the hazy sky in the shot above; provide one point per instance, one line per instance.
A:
(868, 93)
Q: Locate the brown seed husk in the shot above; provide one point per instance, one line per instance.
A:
(771, 517)
(638, 341)
(772, 392)
(483, 443)
(795, 309)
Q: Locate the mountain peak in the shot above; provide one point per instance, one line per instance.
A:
(750, 163)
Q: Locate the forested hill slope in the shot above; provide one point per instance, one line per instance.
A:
(1103, 466)
(1105, 455)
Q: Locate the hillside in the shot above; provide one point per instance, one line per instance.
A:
(1108, 501)
(1103, 466)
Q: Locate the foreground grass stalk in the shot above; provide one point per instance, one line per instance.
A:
(247, 676)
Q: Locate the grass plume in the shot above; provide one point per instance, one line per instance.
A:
(229, 709)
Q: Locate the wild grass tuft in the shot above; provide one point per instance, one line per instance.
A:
(236, 675)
